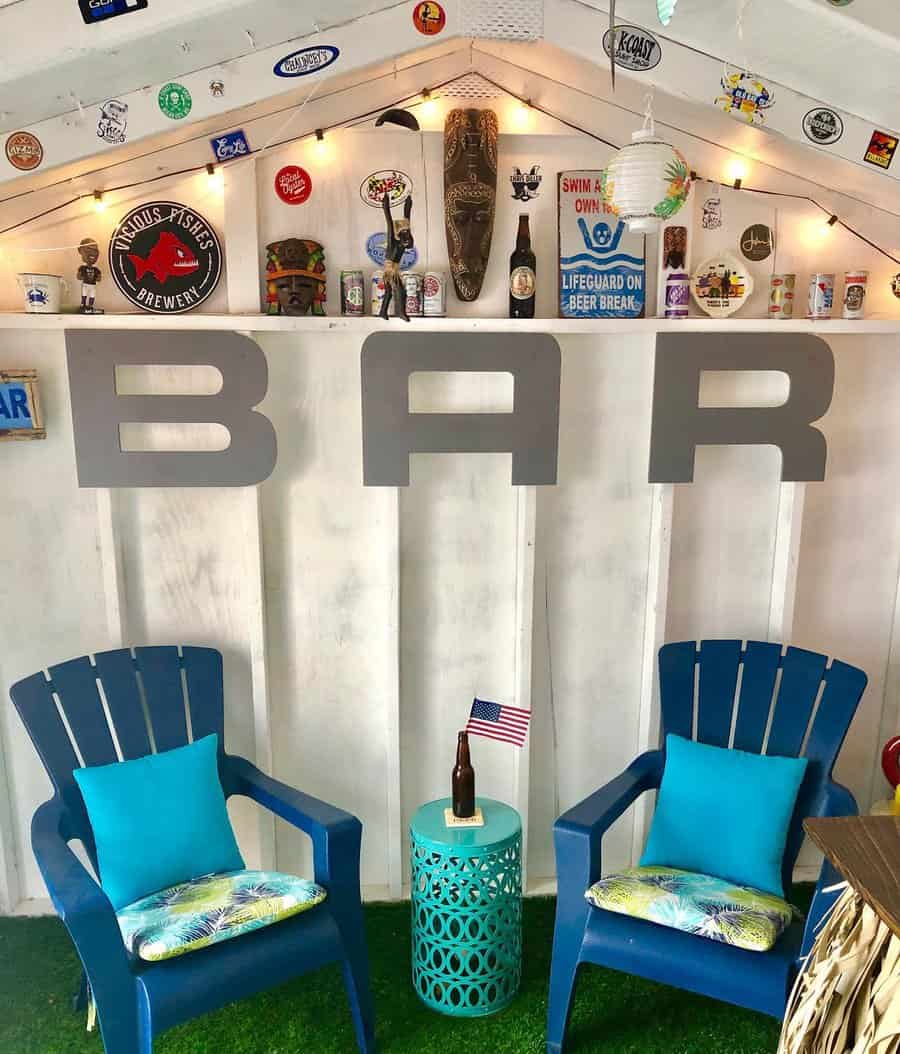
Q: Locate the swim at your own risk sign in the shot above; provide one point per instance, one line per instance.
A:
(601, 265)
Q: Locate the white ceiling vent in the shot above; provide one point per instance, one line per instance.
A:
(503, 19)
(471, 86)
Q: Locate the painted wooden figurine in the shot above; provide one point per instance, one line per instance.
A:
(399, 241)
(89, 274)
(295, 277)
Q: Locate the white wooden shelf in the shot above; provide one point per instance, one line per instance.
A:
(366, 325)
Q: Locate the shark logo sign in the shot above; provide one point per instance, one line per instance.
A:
(165, 257)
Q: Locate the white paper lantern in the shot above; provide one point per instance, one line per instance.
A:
(647, 181)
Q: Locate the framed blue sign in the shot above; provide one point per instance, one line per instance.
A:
(230, 145)
(20, 412)
(602, 270)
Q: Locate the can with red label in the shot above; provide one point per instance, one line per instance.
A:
(352, 293)
(377, 291)
(781, 295)
(678, 294)
(821, 295)
(435, 292)
(855, 294)
(414, 284)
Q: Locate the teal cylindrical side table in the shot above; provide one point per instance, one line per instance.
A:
(466, 909)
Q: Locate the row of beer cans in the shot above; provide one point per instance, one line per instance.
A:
(426, 294)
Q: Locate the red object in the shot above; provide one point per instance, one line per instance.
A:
(890, 761)
(429, 18)
(293, 184)
(168, 258)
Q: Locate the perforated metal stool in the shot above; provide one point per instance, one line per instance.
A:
(466, 909)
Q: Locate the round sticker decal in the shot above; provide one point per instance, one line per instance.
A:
(24, 151)
(757, 242)
(165, 257)
(429, 18)
(174, 101)
(823, 126)
(293, 184)
(397, 185)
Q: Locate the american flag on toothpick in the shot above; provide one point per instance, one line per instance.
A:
(496, 721)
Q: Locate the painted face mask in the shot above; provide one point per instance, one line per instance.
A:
(470, 195)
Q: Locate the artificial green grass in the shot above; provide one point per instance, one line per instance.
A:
(614, 1013)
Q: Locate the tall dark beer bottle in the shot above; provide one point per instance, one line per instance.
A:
(522, 267)
(463, 780)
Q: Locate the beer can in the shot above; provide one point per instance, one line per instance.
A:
(435, 293)
(781, 295)
(821, 295)
(352, 293)
(414, 284)
(855, 294)
(377, 291)
(678, 294)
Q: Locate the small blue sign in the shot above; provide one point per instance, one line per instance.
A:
(306, 61)
(229, 146)
(96, 10)
(376, 249)
(14, 411)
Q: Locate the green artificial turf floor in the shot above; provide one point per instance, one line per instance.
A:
(614, 1013)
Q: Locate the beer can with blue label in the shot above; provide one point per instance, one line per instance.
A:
(821, 296)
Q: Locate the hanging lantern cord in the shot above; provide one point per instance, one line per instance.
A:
(649, 125)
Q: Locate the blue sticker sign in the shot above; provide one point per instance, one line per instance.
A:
(97, 10)
(601, 265)
(376, 249)
(229, 146)
(306, 61)
(14, 412)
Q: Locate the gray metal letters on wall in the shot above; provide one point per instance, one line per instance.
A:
(680, 425)
(391, 433)
(97, 410)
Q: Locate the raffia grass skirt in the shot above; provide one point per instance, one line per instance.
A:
(847, 998)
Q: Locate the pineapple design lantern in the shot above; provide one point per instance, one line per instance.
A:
(646, 182)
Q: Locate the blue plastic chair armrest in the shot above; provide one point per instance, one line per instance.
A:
(336, 835)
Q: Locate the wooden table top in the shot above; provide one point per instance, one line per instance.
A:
(866, 850)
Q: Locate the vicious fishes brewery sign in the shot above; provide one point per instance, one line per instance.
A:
(165, 257)
(635, 48)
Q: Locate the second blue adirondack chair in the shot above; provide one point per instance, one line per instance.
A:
(803, 723)
(137, 1000)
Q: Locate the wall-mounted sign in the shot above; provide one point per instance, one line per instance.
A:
(823, 126)
(306, 61)
(636, 49)
(526, 185)
(112, 124)
(24, 151)
(174, 101)
(230, 145)
(376, 250)
(293, 184)
(97, 10)
(20, 410)
(881, 150)
(601, 264)
(165, 257)
(757, 242)
(429, 18)
(745, 96)
(397, 185)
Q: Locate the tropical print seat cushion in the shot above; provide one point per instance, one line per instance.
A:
(211, 909)
(699, 904)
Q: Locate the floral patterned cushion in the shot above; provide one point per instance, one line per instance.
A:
(699, 904)
(214, 908)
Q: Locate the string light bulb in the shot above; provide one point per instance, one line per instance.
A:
(736, 172)
(429, 105)
(215, 177)
(99, 203)
(320, 147)
(522, 114)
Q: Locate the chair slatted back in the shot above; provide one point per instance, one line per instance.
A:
(148, 693)
(788, 702)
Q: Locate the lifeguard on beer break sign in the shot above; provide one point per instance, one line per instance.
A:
(601, 265)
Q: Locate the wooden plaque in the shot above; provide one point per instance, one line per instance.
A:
(20, 408)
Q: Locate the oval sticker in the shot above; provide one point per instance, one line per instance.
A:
(397, 185)
(293, 184)
(307, 60)
(636, 49)
(376, 250)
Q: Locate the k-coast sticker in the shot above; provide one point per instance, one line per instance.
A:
(307, 60)
(636, 49)
(165, 257)
(823, 126)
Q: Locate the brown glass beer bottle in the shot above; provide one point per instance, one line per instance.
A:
(463, 780)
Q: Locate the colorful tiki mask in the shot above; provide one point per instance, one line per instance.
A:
(295, 277)
(470, 195)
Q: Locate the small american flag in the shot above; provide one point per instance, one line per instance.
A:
(495, 721)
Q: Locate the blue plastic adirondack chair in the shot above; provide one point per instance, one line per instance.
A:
(138, 1000)
(586, 934)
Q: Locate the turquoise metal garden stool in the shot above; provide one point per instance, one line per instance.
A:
(466, 909)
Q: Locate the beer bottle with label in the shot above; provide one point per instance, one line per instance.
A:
(463, 780)
(522, 267)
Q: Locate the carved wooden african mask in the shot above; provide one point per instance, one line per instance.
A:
(470, 195)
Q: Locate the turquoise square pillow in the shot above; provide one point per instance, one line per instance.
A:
(724, 813)
(159, 820)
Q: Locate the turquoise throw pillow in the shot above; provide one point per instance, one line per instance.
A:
(724, 813)
(159, 820)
